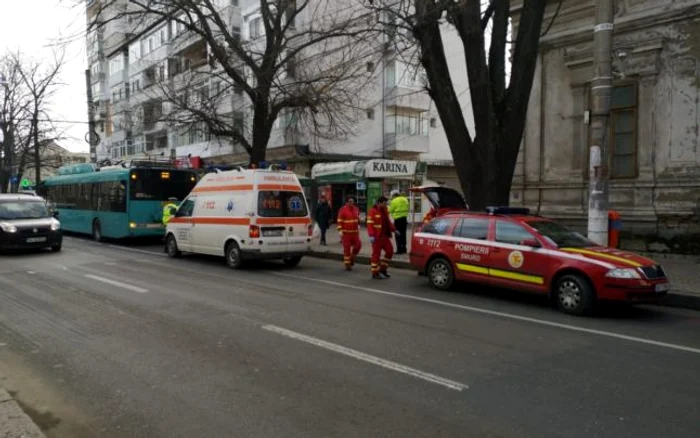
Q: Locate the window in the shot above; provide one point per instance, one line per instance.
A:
(370, 66)
(13, 210)
(623, 116)
(560, 235)
(433, 122)
(281, 204)
(370, 114)
(438, 226)
(161, 186)
(255, 28)
(186, 208)
(509, 232)
(236, 33)
(407, 124)
(116, 64)
(473, 228)
(401, 74)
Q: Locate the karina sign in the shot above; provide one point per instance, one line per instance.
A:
(390, 169)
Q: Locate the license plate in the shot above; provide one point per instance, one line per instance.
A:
(272, 233)
(36, 239)
(662, 287)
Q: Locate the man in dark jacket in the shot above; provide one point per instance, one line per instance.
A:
(324, 216)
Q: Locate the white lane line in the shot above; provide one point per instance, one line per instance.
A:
(451, 384)
(117, 283)
(502, 315)
(31, 272)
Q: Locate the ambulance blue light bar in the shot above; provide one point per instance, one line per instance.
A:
(521, 211)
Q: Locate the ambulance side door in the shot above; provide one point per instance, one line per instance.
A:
(183, 224)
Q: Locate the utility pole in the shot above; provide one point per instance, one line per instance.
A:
(601, 94)
(92, 138)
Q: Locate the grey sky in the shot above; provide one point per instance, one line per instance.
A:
(32, 26)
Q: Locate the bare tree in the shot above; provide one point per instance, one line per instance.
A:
(25, 121)
(283, 69)
(486, 158)
(41, 82)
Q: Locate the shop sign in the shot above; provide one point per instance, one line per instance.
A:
(390, 169)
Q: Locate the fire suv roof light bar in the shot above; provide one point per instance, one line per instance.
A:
(521, 211)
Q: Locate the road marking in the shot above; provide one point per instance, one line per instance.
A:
(451, 384)
(117, 283)
(503, 315)
(31, 272)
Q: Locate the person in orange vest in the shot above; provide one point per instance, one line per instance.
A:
(349, 229)
(380, 230)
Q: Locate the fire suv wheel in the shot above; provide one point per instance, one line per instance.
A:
(171, 247)
(574, 295)
(440, 274)
(234, 258)
(97, 231)
(292, 261)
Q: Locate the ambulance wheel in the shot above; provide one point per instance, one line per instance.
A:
(292, 261)
(97, 231)
(234, 258)
(440, 274)
(171, 247)
(574, 295)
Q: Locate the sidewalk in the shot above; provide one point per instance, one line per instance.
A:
(682, 272)
(14, 423)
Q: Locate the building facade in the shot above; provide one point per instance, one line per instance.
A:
(52, 157)
(654, 148)
(128, 60)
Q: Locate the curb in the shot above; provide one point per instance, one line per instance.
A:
(14, 423)
(673, 299)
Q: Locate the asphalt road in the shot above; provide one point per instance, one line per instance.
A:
(110, 341)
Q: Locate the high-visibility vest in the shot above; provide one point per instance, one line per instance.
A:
(168, 212)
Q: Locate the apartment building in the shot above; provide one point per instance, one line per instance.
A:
(130, 59)
(52, 157)
(653, 129)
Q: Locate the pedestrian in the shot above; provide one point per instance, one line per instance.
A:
(169, 210)
(323, 217)
(349, 229)
(399, 209)
(380, 230)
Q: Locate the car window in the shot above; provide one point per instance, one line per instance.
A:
(186, 208)
(21, 209)
(509, 232)
(560, 235)
(473, 228)
(437, 226)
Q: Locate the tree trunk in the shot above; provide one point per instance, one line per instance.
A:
(261, 130)
(37, 150)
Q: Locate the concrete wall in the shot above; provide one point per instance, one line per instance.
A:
(657, 48)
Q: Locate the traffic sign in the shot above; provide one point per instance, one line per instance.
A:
(25, 183)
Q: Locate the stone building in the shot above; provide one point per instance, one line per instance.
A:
(653, 129)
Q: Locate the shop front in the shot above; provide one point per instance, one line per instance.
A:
(365, 180)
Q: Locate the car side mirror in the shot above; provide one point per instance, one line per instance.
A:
(55, 214)
(531, 242)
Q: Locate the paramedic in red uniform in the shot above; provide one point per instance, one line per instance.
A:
(380, 231)
(349, 229)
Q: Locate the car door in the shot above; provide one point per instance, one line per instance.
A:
(183, 225)
(516, 260)
(471, 248)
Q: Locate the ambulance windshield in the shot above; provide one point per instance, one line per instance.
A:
(560, 235)
(281, 204)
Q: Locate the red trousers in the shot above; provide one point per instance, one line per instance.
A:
(379, 263)
(351, 247)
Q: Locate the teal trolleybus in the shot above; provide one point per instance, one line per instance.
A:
(117, 201)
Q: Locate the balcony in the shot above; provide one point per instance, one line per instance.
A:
(402, 143)
(407, 97)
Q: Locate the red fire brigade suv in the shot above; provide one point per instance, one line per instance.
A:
(508, 247)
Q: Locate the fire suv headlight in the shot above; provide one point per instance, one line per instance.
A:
(628, 273)
(8, 228)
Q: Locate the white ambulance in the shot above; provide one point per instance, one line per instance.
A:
(243, 214)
